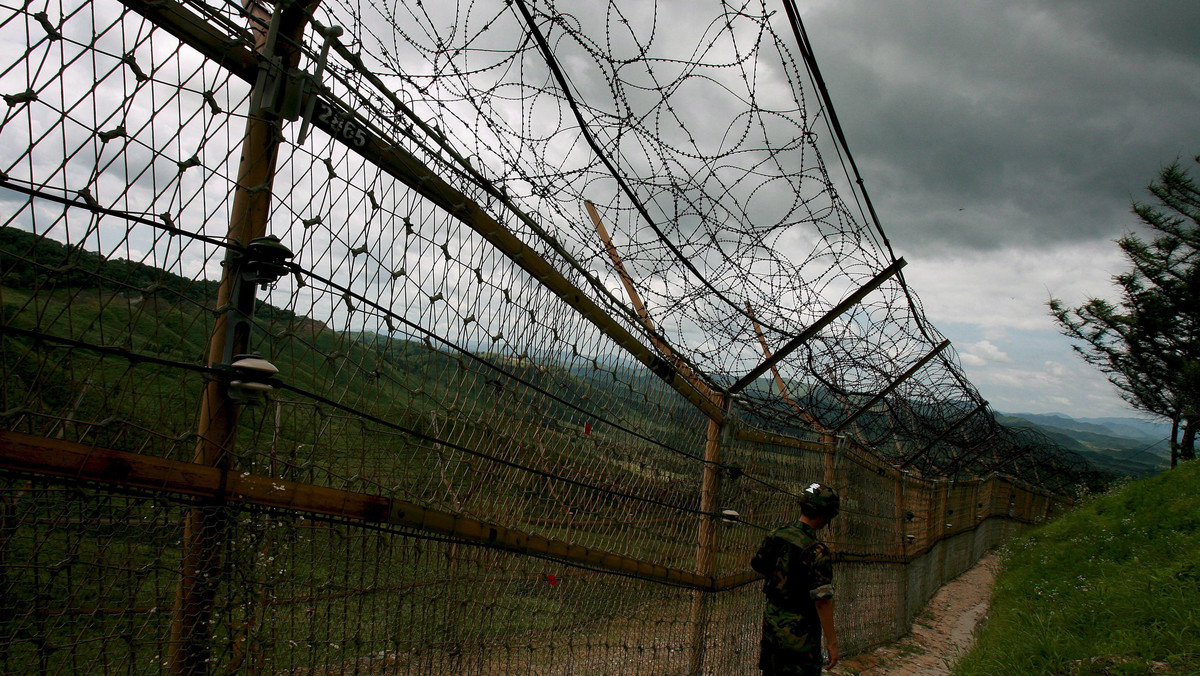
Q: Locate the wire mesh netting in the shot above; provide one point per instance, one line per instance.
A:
(361, 337)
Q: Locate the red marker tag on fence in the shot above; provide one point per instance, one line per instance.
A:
(587, 428)
(552, 580)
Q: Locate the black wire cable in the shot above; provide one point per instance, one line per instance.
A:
(92, 206)
(171, 229)
(815, 72)
(174, 230)
(491, 365)
(221, 373)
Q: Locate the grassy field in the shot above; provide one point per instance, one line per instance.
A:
(88, 575)
(1112, 588)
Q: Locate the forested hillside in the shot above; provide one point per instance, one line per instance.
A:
(1124, 447)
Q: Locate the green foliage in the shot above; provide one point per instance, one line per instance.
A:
(29, 262)
(1112, 588)
(32, 263)
(1148, 344)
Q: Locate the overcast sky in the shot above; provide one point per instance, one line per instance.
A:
(1002, 144)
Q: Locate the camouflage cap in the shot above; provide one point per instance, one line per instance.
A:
(820, 500)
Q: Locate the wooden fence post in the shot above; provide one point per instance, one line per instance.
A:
(710, 481)
(901, 509)
(710, 487)
(205, 528)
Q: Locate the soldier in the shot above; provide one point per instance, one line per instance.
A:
(799, 590)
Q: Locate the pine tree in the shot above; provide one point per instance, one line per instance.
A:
(1148, 343)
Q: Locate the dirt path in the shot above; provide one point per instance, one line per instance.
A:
(941, 633)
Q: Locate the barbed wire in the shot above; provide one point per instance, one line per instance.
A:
(525, 258)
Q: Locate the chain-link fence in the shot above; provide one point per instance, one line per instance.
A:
(445, 342)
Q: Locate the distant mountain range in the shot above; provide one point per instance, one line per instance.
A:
(1122, 446)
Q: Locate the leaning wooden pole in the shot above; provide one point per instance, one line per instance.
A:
(900, 509)
(710, 480)
(643, 315)
(206, 525)
(826, 434)
(828, 442)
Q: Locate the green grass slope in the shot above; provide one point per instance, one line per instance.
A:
(1112, 588)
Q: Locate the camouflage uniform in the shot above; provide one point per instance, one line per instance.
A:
(798, 571)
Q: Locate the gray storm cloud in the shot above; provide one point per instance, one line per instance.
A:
(981, 125)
